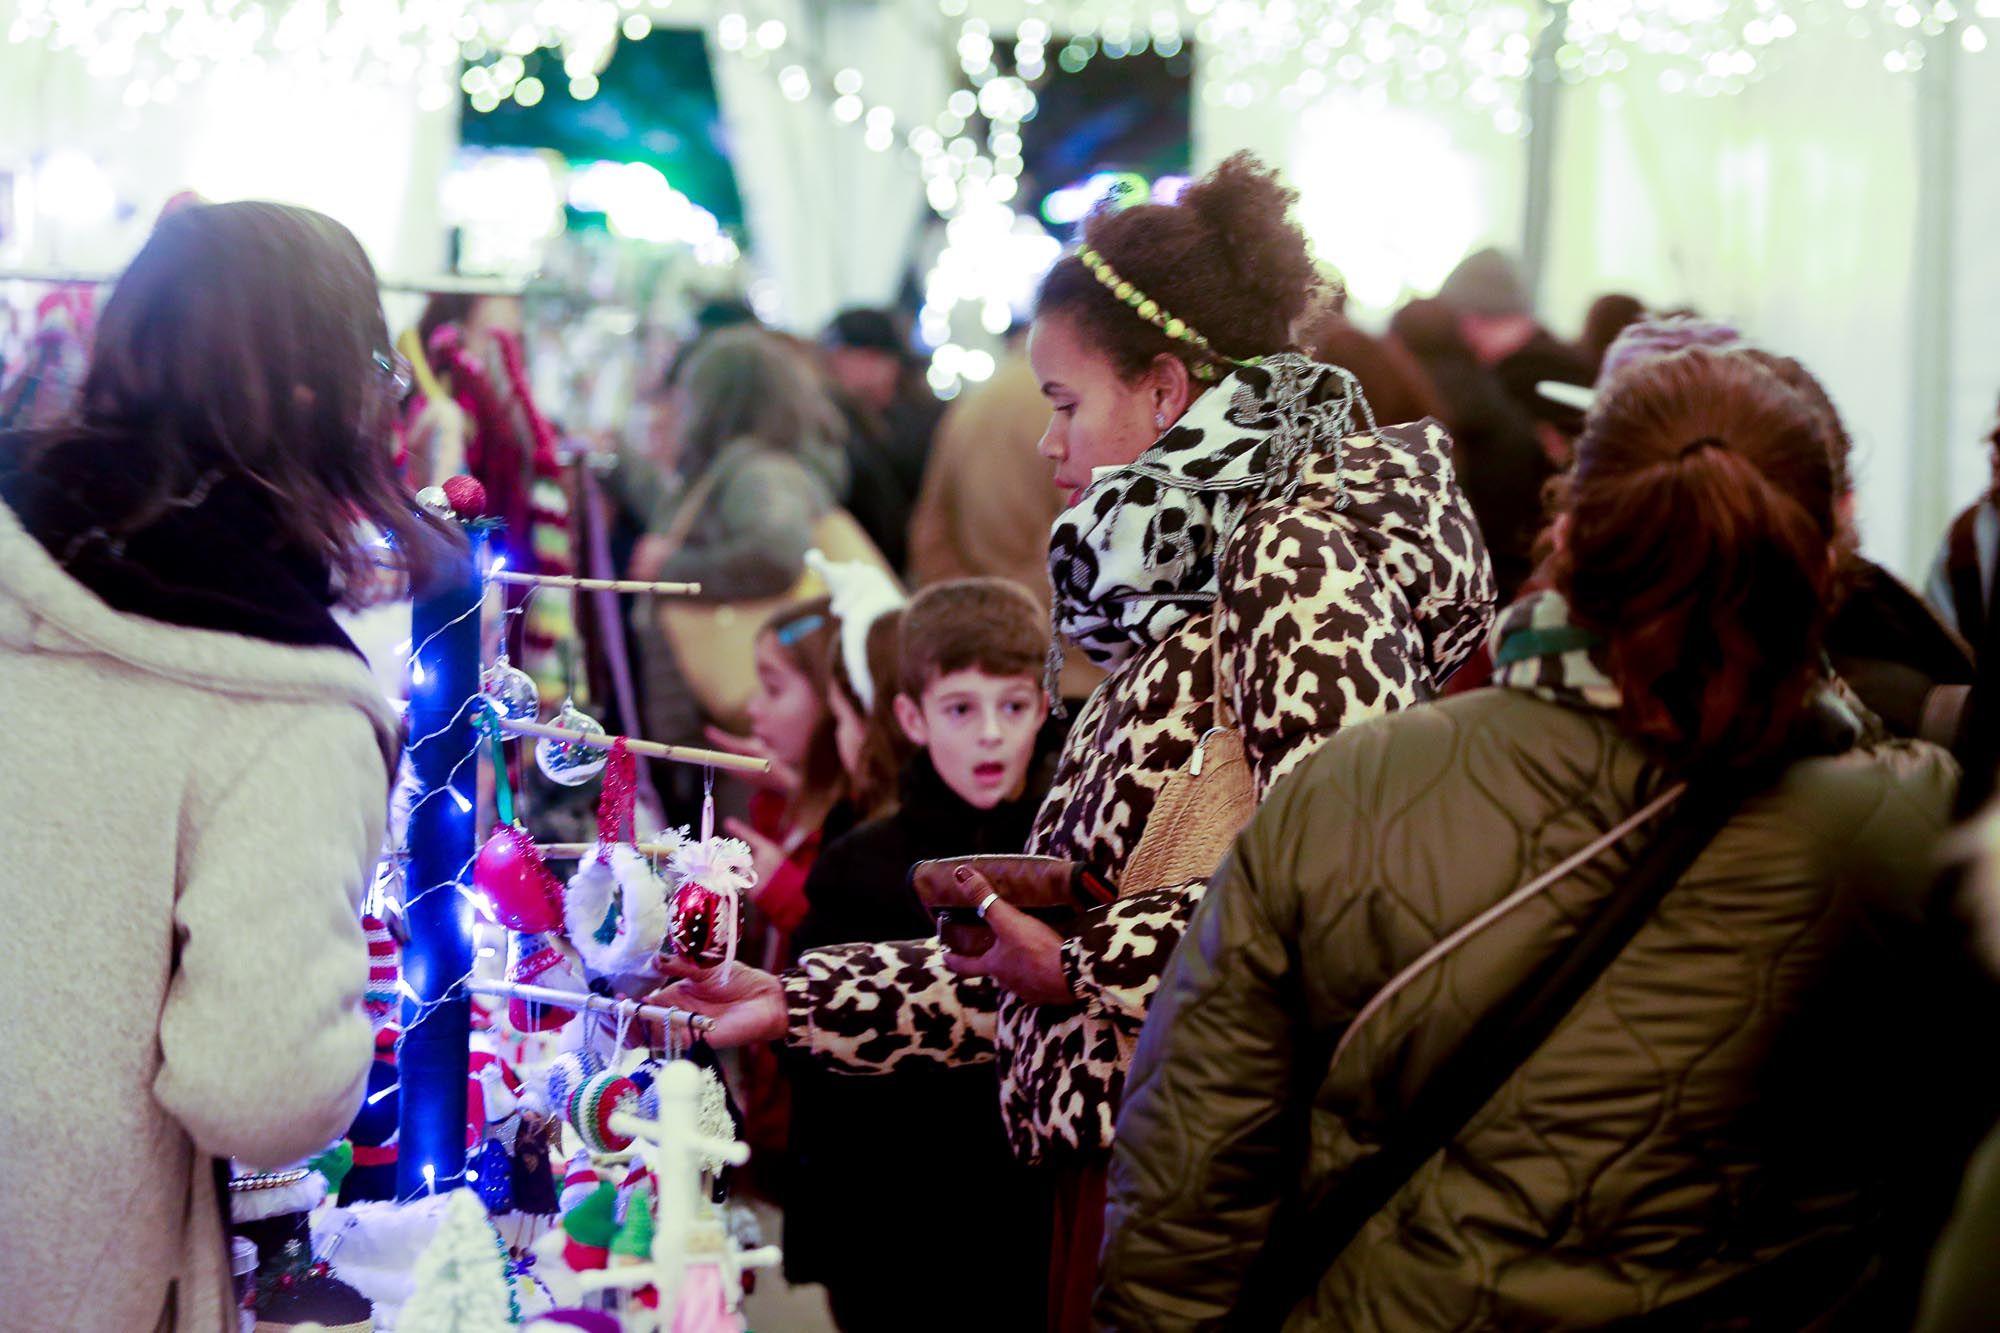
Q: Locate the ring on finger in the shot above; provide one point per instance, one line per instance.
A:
(987, 902)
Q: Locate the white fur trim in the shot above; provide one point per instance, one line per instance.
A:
(616, 869)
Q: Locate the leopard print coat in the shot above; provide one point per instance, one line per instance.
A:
(1328, 616)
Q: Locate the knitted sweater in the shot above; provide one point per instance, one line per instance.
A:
(191, 817)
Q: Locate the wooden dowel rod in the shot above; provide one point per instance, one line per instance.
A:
(679, 754)
(595, 585)
(563, 851)
(596, 1004)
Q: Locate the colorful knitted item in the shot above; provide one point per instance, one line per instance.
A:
(580, 1180)
(535, 962)
(591, 1106)
(385, 968)
(589, 1229)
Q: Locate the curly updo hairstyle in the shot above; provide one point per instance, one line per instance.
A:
(1226, 259)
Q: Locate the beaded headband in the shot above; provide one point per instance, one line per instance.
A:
(1146, 308)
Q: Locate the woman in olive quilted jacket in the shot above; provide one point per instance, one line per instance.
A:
(1718, 1134)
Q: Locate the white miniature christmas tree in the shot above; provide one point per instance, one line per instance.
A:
(461, 1281)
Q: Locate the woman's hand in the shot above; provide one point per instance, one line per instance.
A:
(1026, 957)
(748, 1006)
(781, 777)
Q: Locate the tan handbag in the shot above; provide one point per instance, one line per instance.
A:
(1201, 808)
(715, 643)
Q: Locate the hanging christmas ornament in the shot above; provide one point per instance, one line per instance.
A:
(510, 873)
(465, 495)
(433, 501)
(510, 690)
(567, 1073)
(594, 1102)
(385, 968)
(579, 1180)
(704, 913)
(615, 906)
(570, 763)
(493, 1177)
(536, 962)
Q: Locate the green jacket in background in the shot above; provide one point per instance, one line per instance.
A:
(1740, 1087)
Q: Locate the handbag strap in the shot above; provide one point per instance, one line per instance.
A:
(1221, 716)
(697, 495)
(1311, 1234)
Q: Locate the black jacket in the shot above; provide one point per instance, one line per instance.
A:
(890, 1175)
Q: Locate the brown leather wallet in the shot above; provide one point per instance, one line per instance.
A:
(1054, 891)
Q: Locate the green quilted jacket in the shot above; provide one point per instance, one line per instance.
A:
(1716, 1127)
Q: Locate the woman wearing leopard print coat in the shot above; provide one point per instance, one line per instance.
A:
(1220, 484)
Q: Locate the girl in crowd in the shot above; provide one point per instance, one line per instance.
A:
(199, 810)
(1718, 1132)
(1230, 506)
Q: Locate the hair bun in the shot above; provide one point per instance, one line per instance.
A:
(1247, 210)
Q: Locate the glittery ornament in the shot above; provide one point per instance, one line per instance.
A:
(568, 763)
(510, 690)
(704, 912)
(466, 496)
(510, 873)
(495, 1182)
(433, 501)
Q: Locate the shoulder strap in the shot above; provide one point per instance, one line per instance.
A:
(1308, 1237)
(697, 495)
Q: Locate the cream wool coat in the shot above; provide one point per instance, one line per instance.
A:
(190, 819)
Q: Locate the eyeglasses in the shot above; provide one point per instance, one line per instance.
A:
(397, 369)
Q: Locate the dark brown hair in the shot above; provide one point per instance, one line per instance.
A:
(1609, 315)
(1806, 385)
(884, 746)
(809, 637)
(988, 625)
(1696, 530)
(247, 339)
(1226, 259)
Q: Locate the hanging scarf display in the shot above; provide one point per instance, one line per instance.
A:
(512, 451)
(1136, 554)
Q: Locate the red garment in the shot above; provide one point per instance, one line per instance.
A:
(1074, 1243)
(783, 900)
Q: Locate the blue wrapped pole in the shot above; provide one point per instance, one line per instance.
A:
(432, 1059)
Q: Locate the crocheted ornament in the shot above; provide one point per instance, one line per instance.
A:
(466, 496)
(704, 916)
(510, 873)
(510, 691)
(461, 1279)
(591, 1106)
(589, 1229)
(580, 1180)
(635, 1238)
(571, 763)
(385, 966)
(536, 962)
(567, 1073)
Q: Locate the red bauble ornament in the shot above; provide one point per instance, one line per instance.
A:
(700, 925)
(509, 871)
(467, 496)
